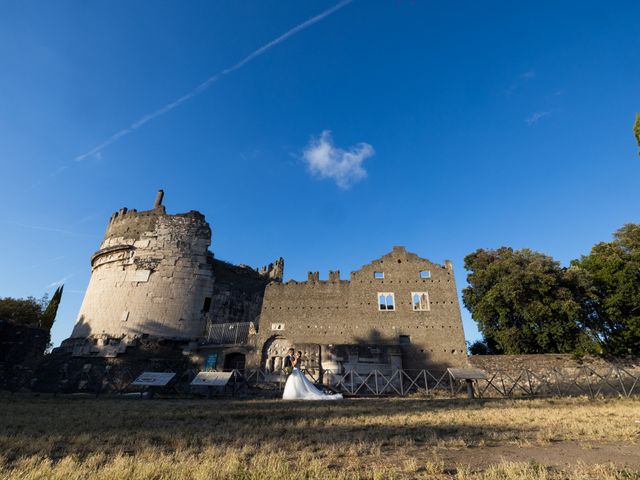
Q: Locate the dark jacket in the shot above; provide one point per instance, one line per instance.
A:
(288, 362)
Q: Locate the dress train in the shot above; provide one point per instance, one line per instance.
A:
(299, 388)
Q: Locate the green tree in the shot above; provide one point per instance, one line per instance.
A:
(615, 272)
(49, 315)
(636, 129)
(479, 347)
(24, 311)
(525, 302)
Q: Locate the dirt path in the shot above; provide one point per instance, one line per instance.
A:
(558, 455)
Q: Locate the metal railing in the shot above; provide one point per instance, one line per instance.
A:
(584, 380)
(228, 333)
(616, 380)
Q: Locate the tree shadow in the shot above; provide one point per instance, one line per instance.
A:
(170, 425)
(96, 364)
(81, 329)
(413, 357)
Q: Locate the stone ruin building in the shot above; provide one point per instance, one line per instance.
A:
(154, 279)
(399, 311)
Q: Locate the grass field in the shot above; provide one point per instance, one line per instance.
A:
(88, 438)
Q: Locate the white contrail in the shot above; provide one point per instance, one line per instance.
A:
(209, 81)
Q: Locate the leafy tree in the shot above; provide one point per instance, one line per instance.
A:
(636, 129)
(479, 347)
(524, 302)
(25, 311)
(31, 311)
(49, 315)
(615, 271)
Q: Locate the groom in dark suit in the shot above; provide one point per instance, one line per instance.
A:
(287, 365)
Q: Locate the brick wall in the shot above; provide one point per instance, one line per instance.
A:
(338, 311)
(518, 363)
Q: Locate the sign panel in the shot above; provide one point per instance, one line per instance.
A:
(138, 275)
(212, 361)
(212, 379)
(467, 373)
(154, 379)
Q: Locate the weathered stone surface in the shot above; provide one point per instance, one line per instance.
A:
(63, 372)
(346, 312)
(515, 364)
(153, 276)
(140, 250)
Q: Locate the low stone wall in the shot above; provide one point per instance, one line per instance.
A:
(514, 363)
(61, 372)
(557, 375)
(21, 348)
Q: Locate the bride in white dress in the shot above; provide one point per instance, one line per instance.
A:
(299, 388)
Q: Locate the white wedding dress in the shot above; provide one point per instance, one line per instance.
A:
(299, 388)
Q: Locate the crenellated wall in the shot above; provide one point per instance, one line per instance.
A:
(150, 276)
(154, 276)
(344, 312)
(237, 292)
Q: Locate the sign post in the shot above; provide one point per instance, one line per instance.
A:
(468, 375)
(152, 380)
(211, 380)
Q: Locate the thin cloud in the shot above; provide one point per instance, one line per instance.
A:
(527, 75)
(325, 160)
(46, 262)
(43, 228)
(535, 117)
(520, 79)
(209, 81)
(57, 283)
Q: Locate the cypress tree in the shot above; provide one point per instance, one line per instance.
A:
(636, 129)
(49, 315)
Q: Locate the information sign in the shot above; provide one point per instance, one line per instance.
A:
(154, 379)
(212, 361)
(212, 379)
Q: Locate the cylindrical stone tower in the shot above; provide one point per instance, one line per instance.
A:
(151, 276)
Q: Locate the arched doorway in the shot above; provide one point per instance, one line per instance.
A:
(273, 353)
(234, 361)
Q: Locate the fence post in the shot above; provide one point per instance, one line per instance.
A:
(426, 382)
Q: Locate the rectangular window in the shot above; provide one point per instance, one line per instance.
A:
(378, 275)
(386, 301)
(207, 304)
(425, 274)
(405, 340)
(420, 301)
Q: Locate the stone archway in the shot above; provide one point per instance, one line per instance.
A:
(273, 353)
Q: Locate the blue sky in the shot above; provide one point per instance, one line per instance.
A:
(442, 126)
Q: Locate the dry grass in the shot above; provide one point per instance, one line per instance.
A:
(69, 438)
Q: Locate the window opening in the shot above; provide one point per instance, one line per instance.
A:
(420, 301)
(386, 301)
(207, 304)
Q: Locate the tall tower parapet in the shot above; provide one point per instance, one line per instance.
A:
(150, 276)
